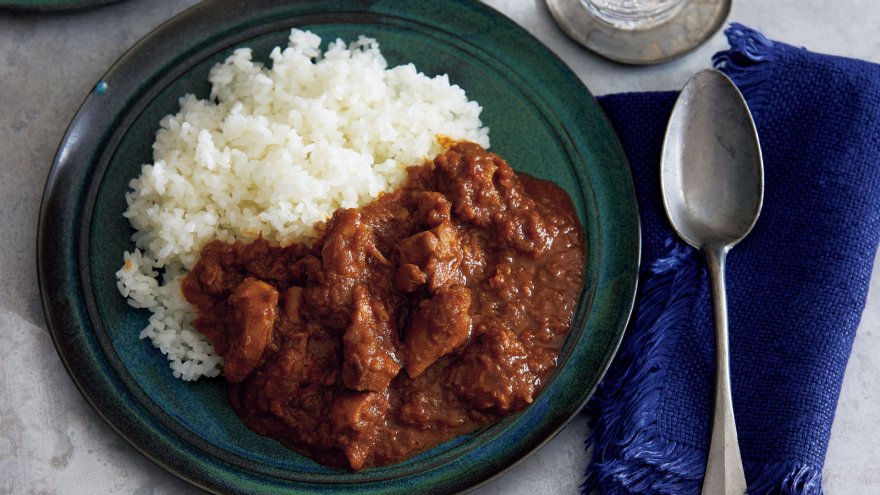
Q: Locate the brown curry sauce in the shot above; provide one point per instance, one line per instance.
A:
(434, 311)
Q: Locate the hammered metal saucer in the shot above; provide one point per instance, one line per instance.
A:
(687, 29)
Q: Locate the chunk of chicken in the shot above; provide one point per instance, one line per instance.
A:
(436, 252)
(254, 305)
(438, 326)
(434, 208)
(349, 247)
(368, 346)
(355, 418)
(409, 277)
(494, 373)
(476, 184)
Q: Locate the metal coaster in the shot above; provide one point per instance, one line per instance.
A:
(694, 23)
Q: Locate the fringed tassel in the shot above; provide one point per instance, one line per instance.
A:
(628, 454)
(748, 48)
(783, 478)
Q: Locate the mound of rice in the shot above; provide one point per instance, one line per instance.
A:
(274, 151)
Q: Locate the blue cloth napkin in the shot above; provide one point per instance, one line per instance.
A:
(796, 285)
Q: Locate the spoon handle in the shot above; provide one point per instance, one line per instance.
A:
(724, 470)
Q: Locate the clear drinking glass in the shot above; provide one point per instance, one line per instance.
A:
(633, 14)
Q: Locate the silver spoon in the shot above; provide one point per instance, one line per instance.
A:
(712, 178)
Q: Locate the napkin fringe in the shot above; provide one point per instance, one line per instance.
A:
(642, 461)
(629, 393)
(784, 478)
(748, 50)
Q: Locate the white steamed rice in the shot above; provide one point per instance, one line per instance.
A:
(273, 151)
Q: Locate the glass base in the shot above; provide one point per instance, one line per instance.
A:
(687, 27)
(630, 15)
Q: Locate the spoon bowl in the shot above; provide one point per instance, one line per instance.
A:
(712, 177)
(711, 169)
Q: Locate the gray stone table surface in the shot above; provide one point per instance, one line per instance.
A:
(51, 442)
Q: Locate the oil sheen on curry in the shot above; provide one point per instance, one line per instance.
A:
(434, 311)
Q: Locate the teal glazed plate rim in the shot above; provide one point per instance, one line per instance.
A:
(542, 120)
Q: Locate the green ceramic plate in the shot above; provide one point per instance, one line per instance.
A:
(542, 119)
